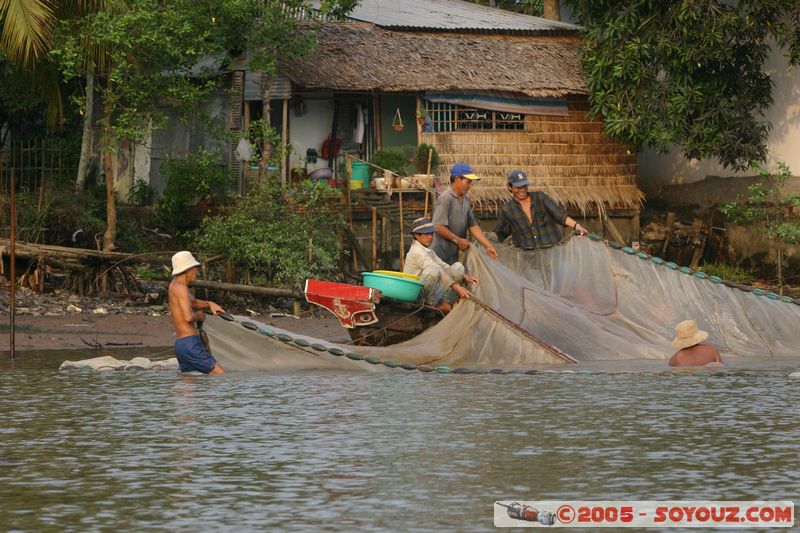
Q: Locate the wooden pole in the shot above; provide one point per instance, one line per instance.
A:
(668, 236)
(285, 141)
(402, 234)
(374, 238)
(12, 279)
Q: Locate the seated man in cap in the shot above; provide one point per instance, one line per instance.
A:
(531, 218)
(441, 281)
(453, 217)
(186, 310)
(692, 352)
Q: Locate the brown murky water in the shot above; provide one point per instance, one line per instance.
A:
(156, 450)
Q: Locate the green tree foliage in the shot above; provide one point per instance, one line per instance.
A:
(200, 177)
(770, 212)
(687, 73)
(280, 234)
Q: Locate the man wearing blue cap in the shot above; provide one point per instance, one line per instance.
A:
(532, 218)
(442, 282)
(453, 217)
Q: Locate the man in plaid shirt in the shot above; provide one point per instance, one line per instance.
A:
(532, 218)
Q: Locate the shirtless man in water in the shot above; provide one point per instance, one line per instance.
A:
(186, 310)
(691, 351)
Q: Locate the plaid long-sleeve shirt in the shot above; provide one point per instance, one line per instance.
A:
(541, 231)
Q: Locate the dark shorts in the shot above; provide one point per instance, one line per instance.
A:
(192, 355)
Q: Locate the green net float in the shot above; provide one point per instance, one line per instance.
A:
(714, 279)
(642, 255)
(759, 292)
(354, 356)
(584, 372)
(302, 343)
(250, 326)
(266, 331)
(319, 347)
(425, 368)
(773, 296)
(628, 250)
(284, 337)
(442, 369)
(462, 370)
(670, 265)
(615, 245)
(595, 237)
(338, 352)
(657, 260)
(391, 364)
(685, 270)
(787, 299)
(408, 366)
(700, 275)
(796, 301)
(372, 360)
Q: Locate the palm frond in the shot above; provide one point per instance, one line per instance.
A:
(26, 29)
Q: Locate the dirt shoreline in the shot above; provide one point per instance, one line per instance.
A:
(79, 331)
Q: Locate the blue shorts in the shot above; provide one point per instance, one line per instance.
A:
(192, 355)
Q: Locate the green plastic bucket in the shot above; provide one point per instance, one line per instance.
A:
(359, 177)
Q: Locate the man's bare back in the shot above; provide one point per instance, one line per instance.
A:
(697, 355)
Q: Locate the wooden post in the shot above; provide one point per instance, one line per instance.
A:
(42, 271)
(374, 238)
(285, 141)
(402, 233)
(668, 236)
(12, 280)
(376, 106)
(386, 238)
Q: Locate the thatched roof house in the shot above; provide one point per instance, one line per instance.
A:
(355, 56)
(499, 98)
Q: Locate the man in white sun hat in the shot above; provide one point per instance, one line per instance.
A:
(442, 282)
(692, 352)
(186, 310)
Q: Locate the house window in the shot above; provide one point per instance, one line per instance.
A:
(450, 117)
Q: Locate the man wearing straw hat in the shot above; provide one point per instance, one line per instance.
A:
(453, 217)
(186, 311)
(688, 340)
(442, 282)
(532, 219)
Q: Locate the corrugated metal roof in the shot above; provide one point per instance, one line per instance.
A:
(452, 16)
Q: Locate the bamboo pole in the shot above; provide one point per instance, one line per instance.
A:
(402, 234)
(374, 238)
(12, 279)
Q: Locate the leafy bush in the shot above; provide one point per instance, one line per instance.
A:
(280, 234)
(142, 193)
(422, 158)
(390, 159)
(188, 181)
(729, 272)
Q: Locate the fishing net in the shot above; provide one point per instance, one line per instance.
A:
(582, 301)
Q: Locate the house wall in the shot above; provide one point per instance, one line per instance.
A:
(657, 170)
(180, 139)
(568, 156)
(407, 104)
(310, 129)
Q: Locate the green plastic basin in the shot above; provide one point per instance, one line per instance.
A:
(405, 290)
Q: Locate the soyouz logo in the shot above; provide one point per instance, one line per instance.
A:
(594, 514)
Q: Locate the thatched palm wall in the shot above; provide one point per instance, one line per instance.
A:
(569, 157)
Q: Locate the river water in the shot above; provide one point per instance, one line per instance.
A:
(141, 450)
